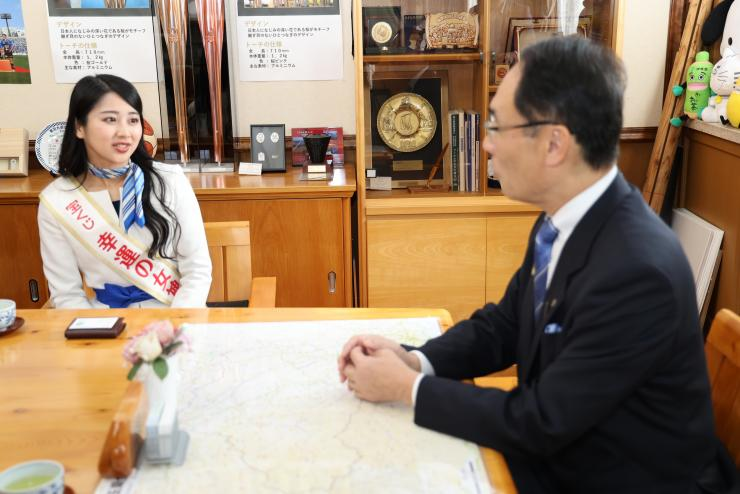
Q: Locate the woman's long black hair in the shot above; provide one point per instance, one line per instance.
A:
(73, 159)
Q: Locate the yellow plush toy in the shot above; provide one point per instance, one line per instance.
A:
(733, 105)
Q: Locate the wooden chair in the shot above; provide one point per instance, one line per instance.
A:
(722, 349)
(230, 249)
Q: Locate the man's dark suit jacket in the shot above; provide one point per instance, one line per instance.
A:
(615, 396)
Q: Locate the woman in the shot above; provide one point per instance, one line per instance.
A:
(130, 226)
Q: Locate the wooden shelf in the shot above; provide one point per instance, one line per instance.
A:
(424, 57)
(493, 88)
(404, 194)
(452, 203)
(25, 190)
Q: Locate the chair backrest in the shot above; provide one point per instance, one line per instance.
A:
(231, 255)
(723, 361)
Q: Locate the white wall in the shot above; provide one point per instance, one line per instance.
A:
(35, 105)
(644, 39)
(301, 104)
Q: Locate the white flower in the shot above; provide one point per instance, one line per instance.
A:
(148, 347)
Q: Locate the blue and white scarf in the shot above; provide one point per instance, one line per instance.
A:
(132, 209)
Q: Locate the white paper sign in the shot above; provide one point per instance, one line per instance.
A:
(82, 46)
(290, 48)
(250, 168)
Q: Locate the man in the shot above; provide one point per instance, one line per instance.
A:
(6, 49)
(600, 318)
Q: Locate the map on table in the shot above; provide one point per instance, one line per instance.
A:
(266, 413)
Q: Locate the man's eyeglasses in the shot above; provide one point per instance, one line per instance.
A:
(492, 128)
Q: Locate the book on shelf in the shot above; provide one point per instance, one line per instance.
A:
(454, 148)
(464, 150)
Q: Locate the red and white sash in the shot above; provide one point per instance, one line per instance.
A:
(102, 236)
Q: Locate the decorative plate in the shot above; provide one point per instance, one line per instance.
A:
(406, 122)
(49, 144)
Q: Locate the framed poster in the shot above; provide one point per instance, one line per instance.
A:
(525, 31)
(407, 115)
(268, 146)
(336, 144)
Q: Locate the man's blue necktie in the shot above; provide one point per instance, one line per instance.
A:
(543, 241)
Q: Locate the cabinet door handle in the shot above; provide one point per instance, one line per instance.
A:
(33, 288)
(332, 282)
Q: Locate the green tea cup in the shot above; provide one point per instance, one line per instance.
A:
(33, 477)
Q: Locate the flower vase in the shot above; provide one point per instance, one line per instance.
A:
(163, 437)
(161, 391)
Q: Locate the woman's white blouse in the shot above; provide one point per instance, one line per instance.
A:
(65, 258)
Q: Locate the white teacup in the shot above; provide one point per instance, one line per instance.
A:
(33, 477)
(7, 313)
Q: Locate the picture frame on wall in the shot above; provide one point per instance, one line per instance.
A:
(525, 31)
(268, 146)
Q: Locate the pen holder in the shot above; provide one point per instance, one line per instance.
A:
(316, 145)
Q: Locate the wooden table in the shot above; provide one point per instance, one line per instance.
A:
(57, 397)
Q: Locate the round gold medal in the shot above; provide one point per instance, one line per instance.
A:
(406, 122)
(381, 32)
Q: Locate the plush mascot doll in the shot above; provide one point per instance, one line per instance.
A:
(697, 85)
(733, 106)
(724, 22)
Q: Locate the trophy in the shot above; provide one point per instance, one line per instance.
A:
(173, 16)
(211, 23)
(317, 169)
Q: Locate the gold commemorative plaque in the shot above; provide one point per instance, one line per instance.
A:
(406, 122)
(452, 30)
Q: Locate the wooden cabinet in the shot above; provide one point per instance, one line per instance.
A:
(455, 256)
(507, 235)
(20, 257)
(710, 184)
(429, 261)
(300, 241)
(301, 232)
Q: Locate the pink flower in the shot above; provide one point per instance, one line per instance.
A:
(156, 339)
(129, 353)
(164, 330)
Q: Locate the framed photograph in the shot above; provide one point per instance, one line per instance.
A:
(420, 104)
(414, 32)
(524, 32)
(381, 30)
(268, 146)
(336, 143)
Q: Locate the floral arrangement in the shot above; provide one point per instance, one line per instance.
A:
(157, 341)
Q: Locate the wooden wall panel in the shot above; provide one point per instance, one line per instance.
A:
(634, 156)
(427, 261)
